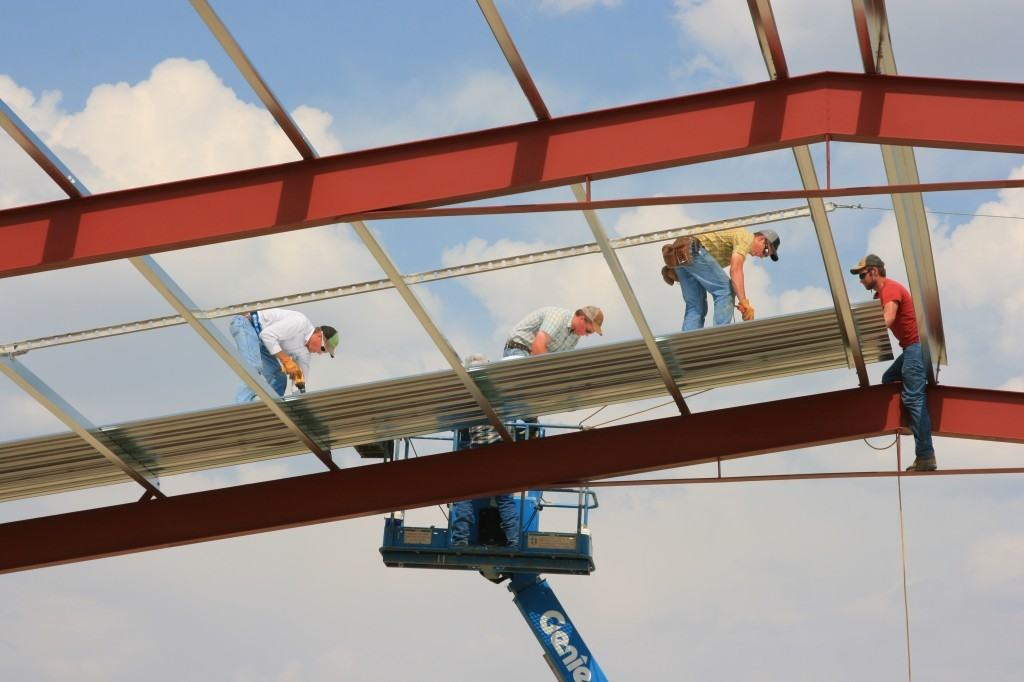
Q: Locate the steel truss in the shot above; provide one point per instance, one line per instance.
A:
(556, 461)
(528, 156)
(412, 179)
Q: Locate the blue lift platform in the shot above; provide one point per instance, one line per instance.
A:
(538, 552)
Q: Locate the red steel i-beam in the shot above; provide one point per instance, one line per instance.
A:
(896, 110)
(546, 462)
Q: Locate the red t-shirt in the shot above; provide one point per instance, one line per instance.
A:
(904, 327)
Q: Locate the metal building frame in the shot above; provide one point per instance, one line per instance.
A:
(880, 107)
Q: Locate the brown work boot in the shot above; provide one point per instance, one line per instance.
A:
(923, 464)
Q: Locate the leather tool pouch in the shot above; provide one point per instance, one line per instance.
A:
(679, 252)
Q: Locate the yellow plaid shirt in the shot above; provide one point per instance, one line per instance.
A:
(721, 245)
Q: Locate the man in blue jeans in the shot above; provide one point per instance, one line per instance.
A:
(697, 263)
(898, 310)
(463, 517)
(277, 344)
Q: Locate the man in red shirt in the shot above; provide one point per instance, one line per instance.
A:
(898, 309)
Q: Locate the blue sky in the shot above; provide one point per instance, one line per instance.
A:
(760, 581)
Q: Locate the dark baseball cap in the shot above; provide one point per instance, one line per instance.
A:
(773, 240)
(868, 261)
(331, 338)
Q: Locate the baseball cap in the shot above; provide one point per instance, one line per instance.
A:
(331, 338)
(868, 261)
(594, 314)
(773, 238)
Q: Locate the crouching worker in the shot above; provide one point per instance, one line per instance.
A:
(277, 344)
(697, 264)
(463, 513)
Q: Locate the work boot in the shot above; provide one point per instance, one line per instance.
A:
(923, 464)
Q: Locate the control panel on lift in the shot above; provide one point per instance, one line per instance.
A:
(485, 546)
(538, 551)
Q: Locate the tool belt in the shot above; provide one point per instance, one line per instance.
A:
(679, 252)
(510, 345)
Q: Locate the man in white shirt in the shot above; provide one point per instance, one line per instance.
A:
(277, 344)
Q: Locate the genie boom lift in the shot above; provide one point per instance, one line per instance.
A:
(536, 553)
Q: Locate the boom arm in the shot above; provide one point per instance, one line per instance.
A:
(564, 648)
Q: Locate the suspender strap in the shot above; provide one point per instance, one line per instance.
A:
(254, 317)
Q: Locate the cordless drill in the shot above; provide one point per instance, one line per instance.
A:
(300, 382)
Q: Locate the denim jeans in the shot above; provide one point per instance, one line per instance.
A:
(463, 519)
(510, 353)
(909, 368)
(256, 355)
(698, 279)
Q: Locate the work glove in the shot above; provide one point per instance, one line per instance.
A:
(746, 310)
(291, 368)
(669, 275)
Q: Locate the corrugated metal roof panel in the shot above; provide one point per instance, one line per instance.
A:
(613, 373)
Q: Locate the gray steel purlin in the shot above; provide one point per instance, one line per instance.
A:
(530, 91)
(252, 76)
(121, 461)
(383, 260)
(900, 164)
(40, 153)
(775, 61)
(180, 301)
(542, 463)
(632, 303)
(514, 59)
(430, 327)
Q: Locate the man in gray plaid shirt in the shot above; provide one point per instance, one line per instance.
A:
(549, 330)
(463, 515)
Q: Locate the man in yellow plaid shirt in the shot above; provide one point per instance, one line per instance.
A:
(697, 264)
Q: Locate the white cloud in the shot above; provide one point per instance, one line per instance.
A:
(1014, 384)
(820, 35)
(997, 561)
(21, 180)
(478, 99)
(180, 122)
(722, 30)
(968, 272)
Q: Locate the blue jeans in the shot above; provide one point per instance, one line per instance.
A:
(909, 368)
(463, 519)
(509, 353)
(698, 279)
(256, 355)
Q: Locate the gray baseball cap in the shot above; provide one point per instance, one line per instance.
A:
(773, 240)
(868, 261)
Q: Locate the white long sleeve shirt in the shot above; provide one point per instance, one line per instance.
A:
(289, 331)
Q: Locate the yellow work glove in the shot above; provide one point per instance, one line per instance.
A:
(669, 275)
(746, 310)
(291, 368)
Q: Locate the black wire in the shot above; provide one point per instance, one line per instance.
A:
(969, 215)
(591, 415)
(416, 454)
(886, 448)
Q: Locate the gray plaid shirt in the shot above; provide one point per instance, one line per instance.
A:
(555, 322)
(482, 435)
